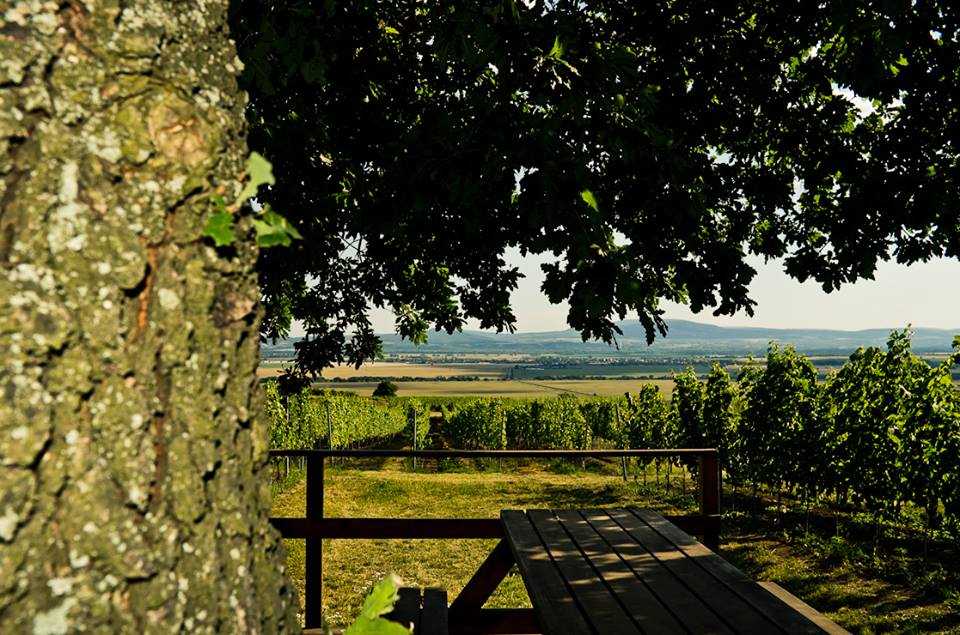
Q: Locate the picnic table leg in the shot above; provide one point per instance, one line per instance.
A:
(486, 580)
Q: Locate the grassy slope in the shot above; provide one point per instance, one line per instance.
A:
(863, 593)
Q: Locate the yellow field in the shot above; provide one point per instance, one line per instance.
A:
(401, 369)
(407, 369)
(506, 388)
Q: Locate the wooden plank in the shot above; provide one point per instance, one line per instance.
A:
(694, 614)
(376, 528)
(486, 579)
(433, 616)
(604, 612)
(736, 613)
(636, 599)
(494, 622)
(759, 599)
(556, 610)
(406, 611)
(811, 613)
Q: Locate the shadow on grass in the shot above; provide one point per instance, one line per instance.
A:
(887, 591)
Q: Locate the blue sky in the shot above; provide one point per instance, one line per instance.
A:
(924, 294)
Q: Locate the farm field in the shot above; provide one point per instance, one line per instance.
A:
(574, 369)
(269, 368)
(506, 388)
(526, 370)
(428, 371)
(863, 594)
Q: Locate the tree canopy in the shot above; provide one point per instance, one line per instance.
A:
(648, 146)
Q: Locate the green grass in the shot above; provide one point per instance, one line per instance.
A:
(351, 567)
(888, 592)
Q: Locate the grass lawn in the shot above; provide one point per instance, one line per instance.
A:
(863, 592)
(352, 566)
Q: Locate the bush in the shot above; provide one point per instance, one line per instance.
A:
(385, 389)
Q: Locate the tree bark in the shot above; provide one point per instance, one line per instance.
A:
(133, 491)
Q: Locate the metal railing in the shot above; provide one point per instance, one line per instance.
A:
(314, 527)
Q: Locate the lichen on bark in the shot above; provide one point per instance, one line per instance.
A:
(131, 452)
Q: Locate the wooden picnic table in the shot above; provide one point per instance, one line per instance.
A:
(629, 570)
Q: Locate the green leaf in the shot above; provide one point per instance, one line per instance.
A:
(411, 325)
(378, 626)
(259, 172)
(379, 603)
(382, 598)
(590, 200)
(557, 51)
(273, 229)
(220, 227)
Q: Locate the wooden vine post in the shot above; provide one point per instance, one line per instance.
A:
(623, 459)
(329, 428)
(414, 438)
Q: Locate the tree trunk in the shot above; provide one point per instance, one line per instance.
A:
(134, 492)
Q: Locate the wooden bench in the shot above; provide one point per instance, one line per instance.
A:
(425, 611)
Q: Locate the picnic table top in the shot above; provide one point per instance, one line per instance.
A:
(629, 570)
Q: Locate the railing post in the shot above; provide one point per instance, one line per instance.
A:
(313, 578)
(710, 493)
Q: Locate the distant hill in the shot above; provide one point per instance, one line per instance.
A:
(684, 337)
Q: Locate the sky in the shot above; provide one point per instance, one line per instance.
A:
(923, 294)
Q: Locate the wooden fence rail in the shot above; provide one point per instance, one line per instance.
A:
(314, 527)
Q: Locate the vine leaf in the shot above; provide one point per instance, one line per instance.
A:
(379, 603)
(273, 229)
(590, 200)
(220, 225)
(557, 51)
(260, 172)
